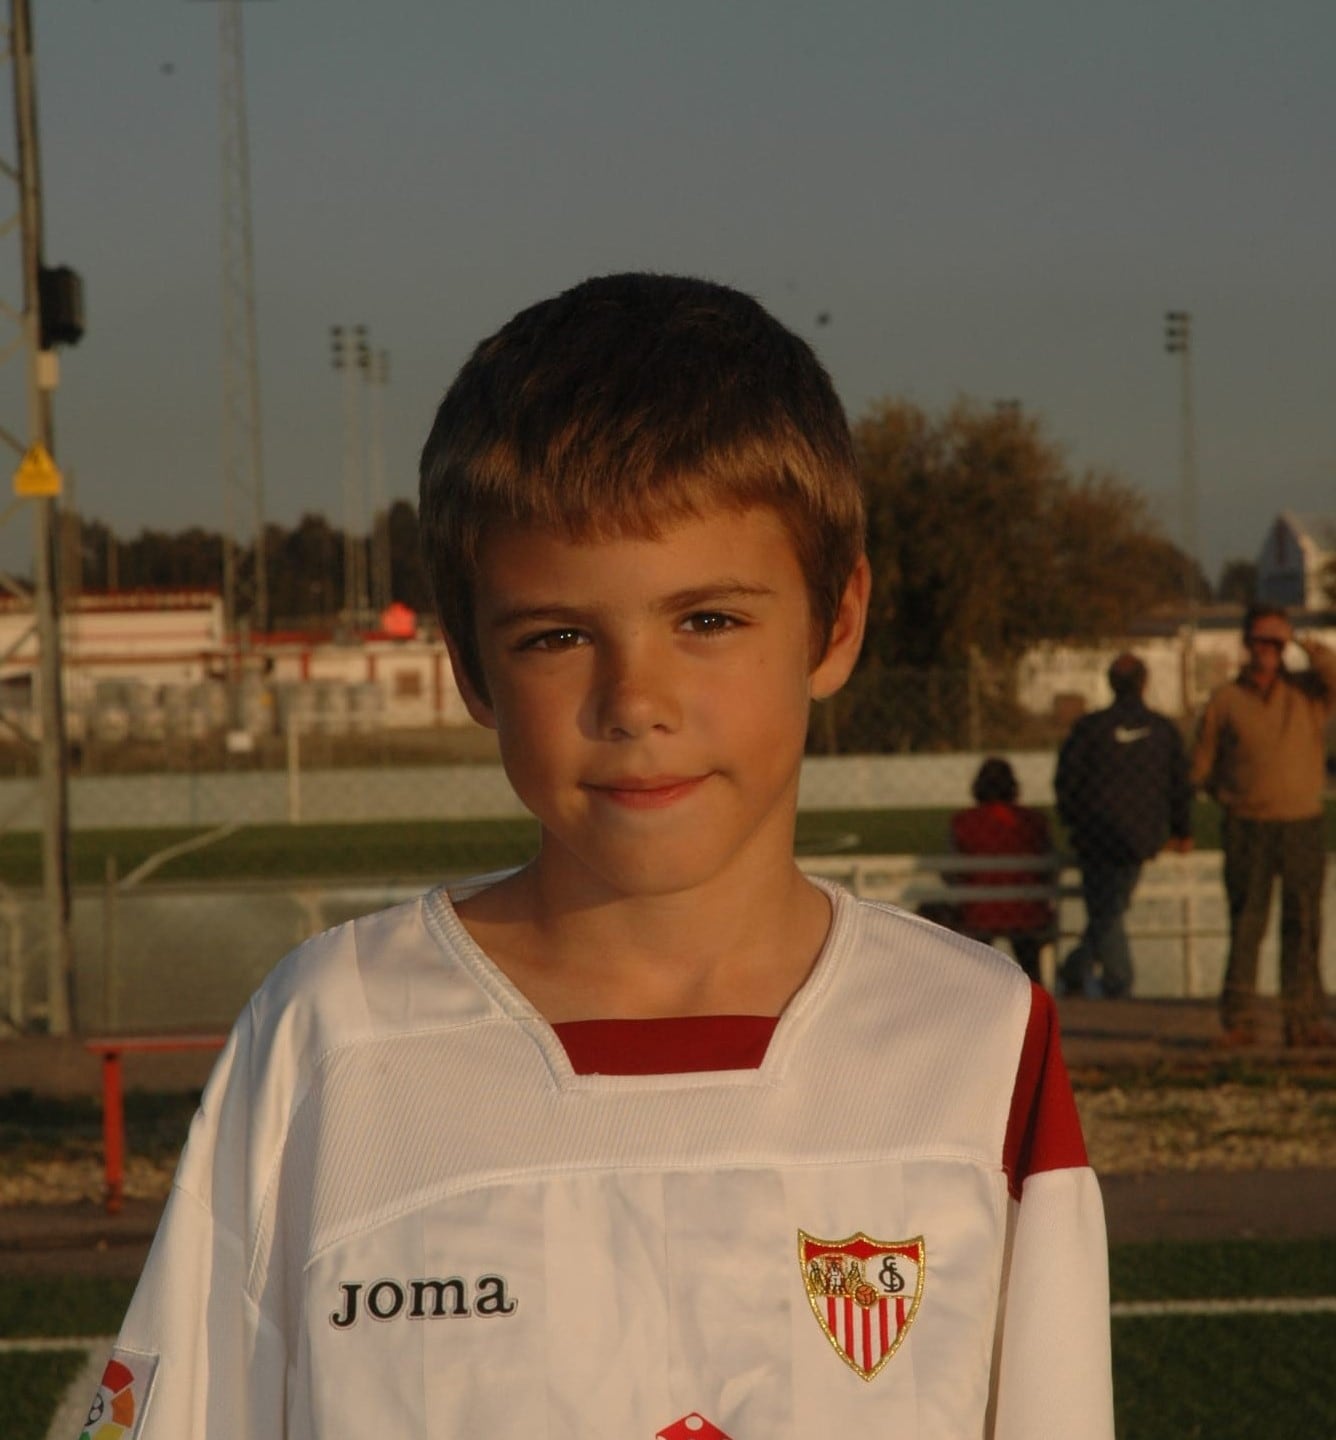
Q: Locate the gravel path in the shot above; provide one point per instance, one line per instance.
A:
(1221, 1127)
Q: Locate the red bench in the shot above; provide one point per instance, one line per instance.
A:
(111, 1048)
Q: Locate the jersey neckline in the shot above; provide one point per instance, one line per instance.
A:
(449, 931)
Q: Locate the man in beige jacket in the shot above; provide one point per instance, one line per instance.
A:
(1261, 752)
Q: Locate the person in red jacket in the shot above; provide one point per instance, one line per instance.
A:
(997, 825)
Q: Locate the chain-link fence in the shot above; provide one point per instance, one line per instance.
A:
(185, 955)
(913, 710)
(276, 837)
(136, 728)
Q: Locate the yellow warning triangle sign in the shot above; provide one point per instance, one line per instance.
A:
(37, 474)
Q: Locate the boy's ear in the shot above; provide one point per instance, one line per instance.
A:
(846, 635)
(474, 703)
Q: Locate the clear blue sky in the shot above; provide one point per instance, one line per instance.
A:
(992, 200)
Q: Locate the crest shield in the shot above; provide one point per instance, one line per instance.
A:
(864, 1294)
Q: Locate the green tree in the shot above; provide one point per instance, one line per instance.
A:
(984, 542)
(409, 577)
(186, 559)
(305, 572)
(304, 564)
(1238, 582)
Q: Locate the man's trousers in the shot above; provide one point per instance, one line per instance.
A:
(1107, 889)
(1257, 852)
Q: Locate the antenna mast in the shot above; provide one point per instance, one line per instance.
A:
(245, 581)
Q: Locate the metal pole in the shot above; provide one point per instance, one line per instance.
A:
(351, 495)
(55, 784)
(110, 978)
(381, 582)
(1178, 341)
(352, 354)
(294, 768)
(245, 589)
(363, 359)
(1189, 462)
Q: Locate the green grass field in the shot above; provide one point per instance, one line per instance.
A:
(1176, 1377)
(425, 849)
(417, 849)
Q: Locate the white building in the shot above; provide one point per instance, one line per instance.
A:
(149, 664)
(1292, 563)
(1184, 664)
(141, 637)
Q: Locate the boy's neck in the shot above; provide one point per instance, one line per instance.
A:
(704, 952)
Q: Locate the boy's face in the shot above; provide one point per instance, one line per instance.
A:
(651, 696)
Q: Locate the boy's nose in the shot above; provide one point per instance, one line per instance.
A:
(635, 697)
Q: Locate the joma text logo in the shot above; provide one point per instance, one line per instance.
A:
(447, 1299)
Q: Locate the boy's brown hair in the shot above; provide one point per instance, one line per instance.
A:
(624, 405)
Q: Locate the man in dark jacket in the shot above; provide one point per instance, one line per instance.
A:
(1123, 794)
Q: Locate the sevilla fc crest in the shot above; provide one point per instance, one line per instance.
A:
(864, 1294)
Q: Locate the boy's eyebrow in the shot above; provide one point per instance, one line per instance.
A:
(528, 614)
(720, 592)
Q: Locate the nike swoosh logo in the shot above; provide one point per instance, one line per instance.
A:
(1124, 736)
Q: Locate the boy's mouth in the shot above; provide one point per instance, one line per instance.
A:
(647, 792)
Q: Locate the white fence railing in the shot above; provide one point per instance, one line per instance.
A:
(186, 956)
(1178, 923)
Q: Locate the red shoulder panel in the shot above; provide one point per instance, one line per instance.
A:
(1043, 1129)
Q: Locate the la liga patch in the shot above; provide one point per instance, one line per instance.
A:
(864, 1294)
(118, 1408)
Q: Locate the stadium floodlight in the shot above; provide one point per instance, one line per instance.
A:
(1177, 332)
(351, 353)
(1178, 341)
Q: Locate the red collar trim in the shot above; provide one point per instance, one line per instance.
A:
(677, 1045)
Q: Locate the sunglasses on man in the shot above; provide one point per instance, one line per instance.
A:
(1272, 640)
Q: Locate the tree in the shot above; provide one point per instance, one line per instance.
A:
(1238, 582)
(305, 563)
(305, 572)
(188, 559)
(983, 542)
(410, 585)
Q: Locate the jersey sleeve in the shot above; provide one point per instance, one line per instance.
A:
(196, 1355)
(1052, 1376)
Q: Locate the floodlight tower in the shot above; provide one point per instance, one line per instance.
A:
(245, 587)
(350, 352)
(377, 377)
(1178, 341)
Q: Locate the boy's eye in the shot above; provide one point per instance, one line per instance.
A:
(708, 622)
(563, 639)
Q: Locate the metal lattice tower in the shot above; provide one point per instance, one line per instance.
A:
(245, 583)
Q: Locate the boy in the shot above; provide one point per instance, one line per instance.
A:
(652, 1138)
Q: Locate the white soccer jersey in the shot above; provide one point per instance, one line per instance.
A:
(403, 1212)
